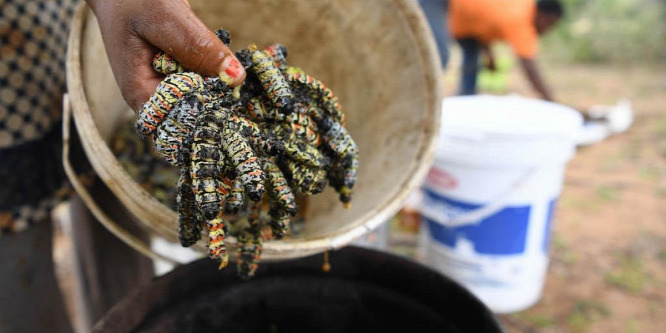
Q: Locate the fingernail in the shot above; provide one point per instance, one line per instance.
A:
(232, 71)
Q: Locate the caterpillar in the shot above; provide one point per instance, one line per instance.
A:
(337, 138)
(239, 152)
(278, 52)
(281, 131)
(165, 64)
(171, 90)
(279, 222)
(189, 222)
(305, 179)
(259, 110)
(297, 148)
(348, 180)
(316, 90)
(206, 163)
(250, 247)
(168, 139)
(235, 197)
(216, 233)
(301, 124)
(274, 83)
(280, 190)
(342, 177)
(260, 139)
(245, 162)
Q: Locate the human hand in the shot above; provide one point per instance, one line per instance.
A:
(490, 64)
(489, 57)
(134, 31)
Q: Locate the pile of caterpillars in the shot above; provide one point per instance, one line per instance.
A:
(245, 152)
(141, 161)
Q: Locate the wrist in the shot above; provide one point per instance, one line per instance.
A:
(94, 4)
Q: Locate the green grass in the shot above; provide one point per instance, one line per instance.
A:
(660, 192)
(609, 31)
(630, 276)
(562, 249)
(650, 173)
(659, 128)
(631, 151)
(570, 258)
(539, 320)
(571, 202)
(660, 146)
(559, 243)
(607, 193)
(632, 326)
(578, 204)
(585, 312)
(654, 307)
(662, 256)
(611, 164)
(578, 321)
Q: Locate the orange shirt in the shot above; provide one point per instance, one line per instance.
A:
(511, 21)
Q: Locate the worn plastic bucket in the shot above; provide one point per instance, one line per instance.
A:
(365, 291)
(489, 198)
(378, 56)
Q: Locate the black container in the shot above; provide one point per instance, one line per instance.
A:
(365, 291)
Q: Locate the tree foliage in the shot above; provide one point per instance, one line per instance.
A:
(610, 30)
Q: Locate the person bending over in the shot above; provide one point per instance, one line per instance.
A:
(475, 24)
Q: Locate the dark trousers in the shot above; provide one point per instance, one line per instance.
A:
(471, 48)
(436, 11)
(30, 300)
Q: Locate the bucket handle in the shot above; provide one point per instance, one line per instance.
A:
(94, 208)
(476, 216)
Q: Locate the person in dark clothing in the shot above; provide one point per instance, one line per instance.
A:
(33, 36)
(436, 11)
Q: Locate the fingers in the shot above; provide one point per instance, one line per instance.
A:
(139, 91)
(136, 78)
(133, 31)
(176, 30)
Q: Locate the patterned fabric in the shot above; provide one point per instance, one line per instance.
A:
(33, 35)
(19, 219)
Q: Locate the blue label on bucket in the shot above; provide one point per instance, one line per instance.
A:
(503, 233)
(549, 221)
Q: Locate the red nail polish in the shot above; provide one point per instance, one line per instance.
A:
(234, 69)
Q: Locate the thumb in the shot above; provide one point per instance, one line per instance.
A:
(182, 35)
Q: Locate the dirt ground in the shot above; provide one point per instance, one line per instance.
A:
(608, 257)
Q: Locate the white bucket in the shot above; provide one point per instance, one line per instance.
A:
(376, 239)
(490, 195)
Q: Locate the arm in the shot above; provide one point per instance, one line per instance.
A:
(490, 58)
(133, 31)
(533, 75)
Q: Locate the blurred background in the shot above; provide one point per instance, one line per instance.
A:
(608, 255)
